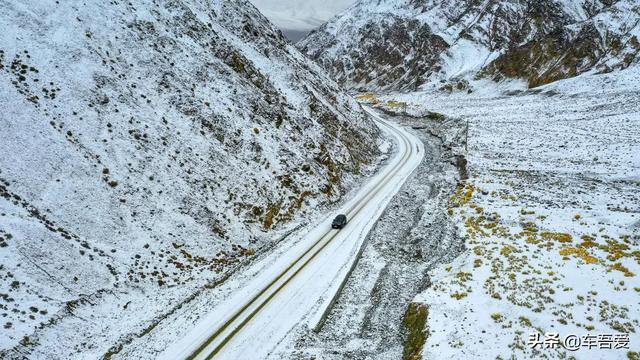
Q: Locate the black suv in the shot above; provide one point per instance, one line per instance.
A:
(339, 222)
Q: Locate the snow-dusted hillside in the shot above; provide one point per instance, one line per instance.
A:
(550, 217)
(405, 44)
(150, 144)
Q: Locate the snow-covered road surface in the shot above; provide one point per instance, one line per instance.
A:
(295, 287)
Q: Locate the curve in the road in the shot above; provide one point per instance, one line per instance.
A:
(234, 324)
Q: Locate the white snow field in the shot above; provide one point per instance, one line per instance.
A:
(302, 300)
(551, 221)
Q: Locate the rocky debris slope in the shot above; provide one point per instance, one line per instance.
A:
(408, 44)
(150, 144)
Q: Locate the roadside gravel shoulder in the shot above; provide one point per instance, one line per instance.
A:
(413, 235)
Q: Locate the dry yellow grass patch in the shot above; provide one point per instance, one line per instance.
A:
(580, 253)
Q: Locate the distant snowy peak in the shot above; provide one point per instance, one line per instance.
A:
(299, 15)
(406, 44)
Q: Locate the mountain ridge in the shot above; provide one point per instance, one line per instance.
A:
(410, 44)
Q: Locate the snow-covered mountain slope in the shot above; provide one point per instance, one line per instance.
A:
(405, 44)
(550, 218)
(148, 144)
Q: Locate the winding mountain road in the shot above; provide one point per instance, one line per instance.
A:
(296, 287)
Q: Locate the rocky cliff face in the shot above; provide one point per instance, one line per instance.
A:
(405, 44)
(147, 144)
